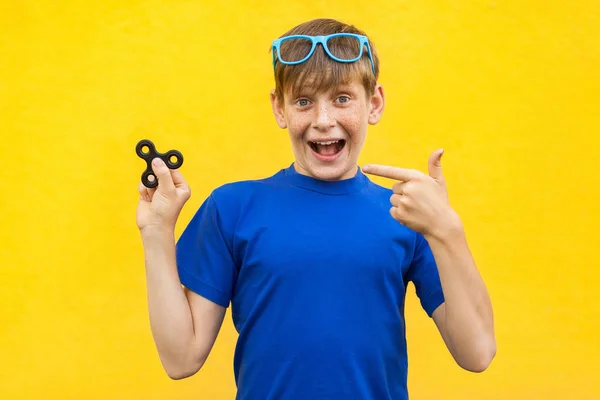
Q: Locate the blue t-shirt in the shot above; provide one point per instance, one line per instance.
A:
(316, 275)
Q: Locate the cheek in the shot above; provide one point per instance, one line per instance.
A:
(354, 125)
(297, 126)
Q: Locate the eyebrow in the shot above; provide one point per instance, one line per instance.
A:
(309, 90)
(304, 90)
(344, 88)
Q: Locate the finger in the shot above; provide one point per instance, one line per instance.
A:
(386, 171)
(397, 214)
(399, 187)
(142, 189)
(178, 179)
(150, 193)
(396, 200)
(143, 192)
(435, 165)
(163, 174)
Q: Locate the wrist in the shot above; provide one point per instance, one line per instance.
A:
(449, 228)
(152, 233)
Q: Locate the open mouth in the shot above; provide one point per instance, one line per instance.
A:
(328, 149)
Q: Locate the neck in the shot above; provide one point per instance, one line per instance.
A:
(347, 174)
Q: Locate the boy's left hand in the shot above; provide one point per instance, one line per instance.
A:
(420, 201)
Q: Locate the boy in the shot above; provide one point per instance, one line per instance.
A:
(316, 258)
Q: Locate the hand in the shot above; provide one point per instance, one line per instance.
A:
(420, 201)
(159, 207)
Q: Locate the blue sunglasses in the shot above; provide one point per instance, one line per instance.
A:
(362, 41)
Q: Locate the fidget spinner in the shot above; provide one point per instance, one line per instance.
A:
(146, 150)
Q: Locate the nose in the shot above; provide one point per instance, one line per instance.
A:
(324, 119)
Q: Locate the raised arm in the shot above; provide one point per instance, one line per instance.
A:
(184, 325)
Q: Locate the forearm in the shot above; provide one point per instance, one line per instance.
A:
(171, 319)
(468, 316)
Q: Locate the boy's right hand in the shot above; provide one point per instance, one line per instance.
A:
(159, 207)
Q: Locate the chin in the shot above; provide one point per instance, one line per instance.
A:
(331, 172)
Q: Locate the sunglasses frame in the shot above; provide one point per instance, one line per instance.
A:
(315, 40)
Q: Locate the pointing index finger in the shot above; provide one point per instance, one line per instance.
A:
(386, 171)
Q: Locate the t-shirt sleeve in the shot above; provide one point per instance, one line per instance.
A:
(204, 254)
(424, 274)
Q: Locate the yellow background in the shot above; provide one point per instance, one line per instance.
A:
(509, 88)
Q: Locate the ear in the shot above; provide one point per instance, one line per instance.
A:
(376, 104)
(277, 105)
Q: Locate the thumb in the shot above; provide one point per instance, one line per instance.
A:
(435, 165)
(165, 181)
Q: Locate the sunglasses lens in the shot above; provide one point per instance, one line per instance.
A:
(344, 47)
(296, 49)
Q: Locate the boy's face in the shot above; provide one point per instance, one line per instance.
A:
(328, 129)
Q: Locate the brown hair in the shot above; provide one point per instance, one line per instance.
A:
(320, 70)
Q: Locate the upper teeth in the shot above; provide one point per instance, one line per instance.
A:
(326, 143)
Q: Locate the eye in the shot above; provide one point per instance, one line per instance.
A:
(302, 102)
(343, 99)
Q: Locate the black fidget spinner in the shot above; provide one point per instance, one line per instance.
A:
(145, 149)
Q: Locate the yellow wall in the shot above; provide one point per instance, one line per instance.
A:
(509, 88)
